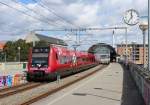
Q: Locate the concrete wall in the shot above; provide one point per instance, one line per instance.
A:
(142, 79)
(12, 73)
(13, 66)
(2, 66)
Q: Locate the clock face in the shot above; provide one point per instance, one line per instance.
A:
(131, 17)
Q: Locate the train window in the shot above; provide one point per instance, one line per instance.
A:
(63, 59)
(56, 56)
(69, 59)
(84, 59)
(39, 61)
(40, 50)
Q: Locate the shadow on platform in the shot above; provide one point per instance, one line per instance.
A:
(130, 93)
(88, 94)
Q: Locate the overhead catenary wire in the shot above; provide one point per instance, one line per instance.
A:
(42, 4)
(25, 13)
(37, 13)
(52, 11)
(2, 3)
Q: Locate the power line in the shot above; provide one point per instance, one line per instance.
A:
(52, 11)
(35, 12)
(24, 13)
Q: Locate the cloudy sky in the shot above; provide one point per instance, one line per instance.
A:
(19, 17)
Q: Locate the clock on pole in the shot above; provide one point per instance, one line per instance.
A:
(131, 17)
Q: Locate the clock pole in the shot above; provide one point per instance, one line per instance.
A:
(131, 17)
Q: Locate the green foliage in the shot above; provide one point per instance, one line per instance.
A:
(2, 56)
(12, 50)
(41, 43)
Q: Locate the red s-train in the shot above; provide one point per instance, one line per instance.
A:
(47, 62)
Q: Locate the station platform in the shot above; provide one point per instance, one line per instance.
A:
(111, 86)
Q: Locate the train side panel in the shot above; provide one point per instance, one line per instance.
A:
(58, 61)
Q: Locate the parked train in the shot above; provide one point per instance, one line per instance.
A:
(48, 62)
(103, 57)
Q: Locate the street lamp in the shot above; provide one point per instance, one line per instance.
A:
(144, 26)
(5, 56)
(113, 38)
(19, 52)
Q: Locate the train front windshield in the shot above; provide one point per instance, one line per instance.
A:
(104, 56)
(39, 61)
(40, 57)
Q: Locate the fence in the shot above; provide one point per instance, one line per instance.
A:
(142, 79)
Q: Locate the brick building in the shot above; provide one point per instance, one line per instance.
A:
(134, 52)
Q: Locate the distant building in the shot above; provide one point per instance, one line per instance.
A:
(104, 48)
(134, 52)
(34, 37)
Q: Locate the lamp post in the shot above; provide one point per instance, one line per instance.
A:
(19, 52)
(5, 56)
(144, 26)
(113, 38)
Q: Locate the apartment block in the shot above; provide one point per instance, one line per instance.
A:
(135, 52)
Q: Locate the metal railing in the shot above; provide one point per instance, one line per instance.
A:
(141, 77)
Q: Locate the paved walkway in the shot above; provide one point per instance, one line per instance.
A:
(111, 86)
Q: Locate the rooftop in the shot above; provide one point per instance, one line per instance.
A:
(33, 37)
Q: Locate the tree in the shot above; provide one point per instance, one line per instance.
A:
(9, 49)
(2, 56)
(12, 51)
(24, 49)
(41, 43)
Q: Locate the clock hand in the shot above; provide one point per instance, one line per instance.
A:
(131, 15)
(129, 19)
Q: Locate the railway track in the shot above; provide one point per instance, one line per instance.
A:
(58, 88)
(12, 87)
(17, 89)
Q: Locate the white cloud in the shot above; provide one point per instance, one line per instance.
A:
(102, 13)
